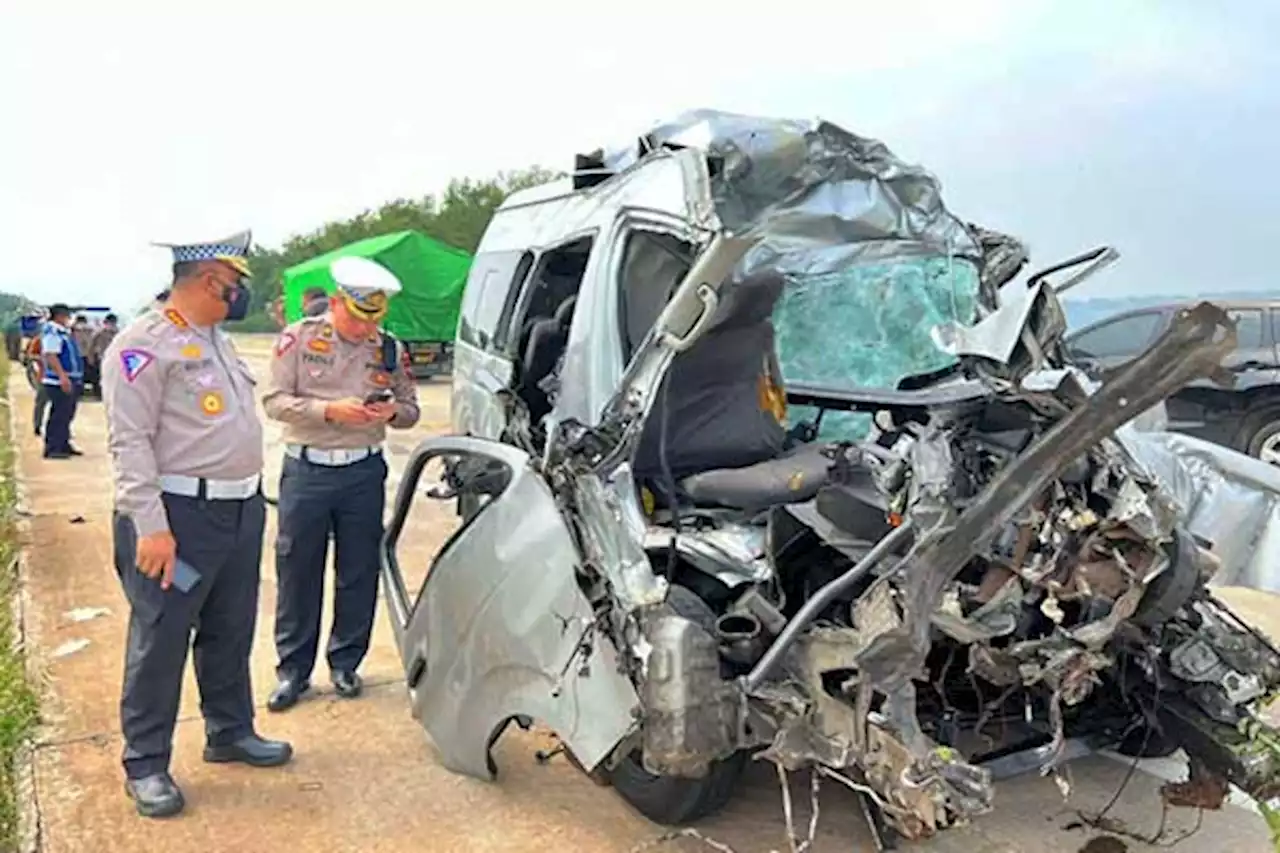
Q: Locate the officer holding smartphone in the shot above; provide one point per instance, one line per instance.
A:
(186, 452)
(337, 381)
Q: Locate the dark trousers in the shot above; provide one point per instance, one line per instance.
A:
(222, 541)
(41, 407)
(62, 409)
(316, 501)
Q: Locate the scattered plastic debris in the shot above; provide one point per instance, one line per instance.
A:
(70, 647)
(85, 614)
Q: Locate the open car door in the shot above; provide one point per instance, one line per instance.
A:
(500, 629)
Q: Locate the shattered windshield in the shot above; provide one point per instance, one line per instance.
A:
(868, 326)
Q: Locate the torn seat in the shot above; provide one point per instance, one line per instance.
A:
(792, 478)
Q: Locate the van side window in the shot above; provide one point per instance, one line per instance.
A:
(653, 264)
(539, 325)
(1248, 327)
(488, 285)
(502, 335)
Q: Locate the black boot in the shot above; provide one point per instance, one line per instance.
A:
(252, 750)
(348, 685)
(287, 693)
(156, 795)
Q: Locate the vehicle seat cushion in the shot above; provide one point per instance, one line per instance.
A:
(795, 477)
(713, 416)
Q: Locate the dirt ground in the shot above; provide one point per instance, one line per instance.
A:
(366, 778)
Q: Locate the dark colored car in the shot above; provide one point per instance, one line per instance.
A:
(1245, 415)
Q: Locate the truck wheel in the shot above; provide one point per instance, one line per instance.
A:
(1263, 432)
(673, 800)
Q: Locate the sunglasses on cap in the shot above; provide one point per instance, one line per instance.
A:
(370, 308)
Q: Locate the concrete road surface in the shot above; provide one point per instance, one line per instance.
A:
(366, 778)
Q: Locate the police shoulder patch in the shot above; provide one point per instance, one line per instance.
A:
(285, 343)
(133, 361)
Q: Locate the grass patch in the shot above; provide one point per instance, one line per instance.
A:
(19, 705)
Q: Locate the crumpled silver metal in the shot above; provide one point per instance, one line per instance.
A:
(821, 198)
(1225, 497)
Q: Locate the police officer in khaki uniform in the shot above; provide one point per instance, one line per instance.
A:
(336, 383)
(186, 449)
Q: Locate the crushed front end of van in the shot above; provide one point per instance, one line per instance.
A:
(694, 559)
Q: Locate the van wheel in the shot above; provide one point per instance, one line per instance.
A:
(1263, 432)
(675, 800)
(671, 800)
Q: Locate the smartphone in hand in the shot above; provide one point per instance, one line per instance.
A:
(185, 577)
(383, 395)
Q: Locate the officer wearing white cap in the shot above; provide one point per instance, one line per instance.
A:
(186, 448)
(336, 382)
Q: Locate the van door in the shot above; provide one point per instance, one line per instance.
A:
(482, 369)
(499, 629)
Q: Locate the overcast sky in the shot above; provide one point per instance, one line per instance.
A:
(1149, 125)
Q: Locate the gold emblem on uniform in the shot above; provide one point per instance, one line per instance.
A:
(211, 403)
(191, 351)
(326, 331)
(172, 315)
(795, 481)
(319, 345)
(381, 378)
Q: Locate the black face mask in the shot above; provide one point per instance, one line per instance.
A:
(237, 297)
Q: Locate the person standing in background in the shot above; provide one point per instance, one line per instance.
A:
(63, 381)
(83, 333)
(314, 302)
(98, 344)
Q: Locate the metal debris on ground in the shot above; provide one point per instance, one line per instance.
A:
(676, 835)
(815, 781)
(1162, 837)
(1203, 790)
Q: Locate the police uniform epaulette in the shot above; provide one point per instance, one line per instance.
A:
(152, 322)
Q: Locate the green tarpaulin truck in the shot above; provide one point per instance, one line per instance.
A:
(424, 315)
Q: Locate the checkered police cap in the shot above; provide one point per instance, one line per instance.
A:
(233, 250)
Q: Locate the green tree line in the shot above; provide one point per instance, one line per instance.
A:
(458, 217)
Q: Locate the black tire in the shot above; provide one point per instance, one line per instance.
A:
(1260, 429)
(672, 800)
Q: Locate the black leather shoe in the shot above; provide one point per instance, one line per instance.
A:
(286, 694)
(252, 750)
(348, 685)
(75, 451)
(155, 796)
